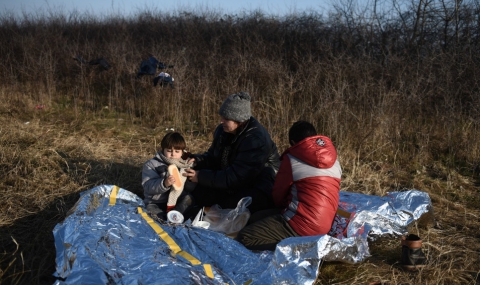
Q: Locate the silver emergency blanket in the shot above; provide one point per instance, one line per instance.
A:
(109, 238)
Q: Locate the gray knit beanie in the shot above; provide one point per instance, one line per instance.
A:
(236, 107)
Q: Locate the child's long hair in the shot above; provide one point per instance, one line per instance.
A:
(173, 140)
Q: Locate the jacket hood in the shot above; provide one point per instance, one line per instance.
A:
(317, 151)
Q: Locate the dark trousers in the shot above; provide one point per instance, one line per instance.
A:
(265, 233)
(206, 197)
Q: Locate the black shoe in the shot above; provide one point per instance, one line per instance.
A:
(162, 216)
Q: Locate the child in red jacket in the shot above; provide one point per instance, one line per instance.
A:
(306, 191)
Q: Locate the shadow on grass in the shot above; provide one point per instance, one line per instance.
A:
(27, 248)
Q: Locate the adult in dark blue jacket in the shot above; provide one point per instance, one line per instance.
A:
(241, 161)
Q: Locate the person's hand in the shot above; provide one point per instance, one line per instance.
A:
(191, 161)
(169, 181)
(191, 175)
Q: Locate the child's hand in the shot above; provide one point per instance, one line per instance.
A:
(169, 181)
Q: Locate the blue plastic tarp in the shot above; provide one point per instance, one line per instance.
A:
(109, 238)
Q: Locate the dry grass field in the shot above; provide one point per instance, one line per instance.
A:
(47, 161)
(403, 115)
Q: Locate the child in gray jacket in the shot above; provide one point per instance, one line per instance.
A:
(160, 195)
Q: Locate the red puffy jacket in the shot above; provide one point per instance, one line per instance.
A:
(307, 185)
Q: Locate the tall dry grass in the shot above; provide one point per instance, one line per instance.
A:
(403, 113)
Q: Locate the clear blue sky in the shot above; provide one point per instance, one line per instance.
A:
(128, 7)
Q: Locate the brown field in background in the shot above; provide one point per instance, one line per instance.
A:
(399, 97)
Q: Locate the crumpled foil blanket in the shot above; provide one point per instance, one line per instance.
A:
(109, 238)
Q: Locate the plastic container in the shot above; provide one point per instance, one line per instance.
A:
(202, 224)
(175, 217)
